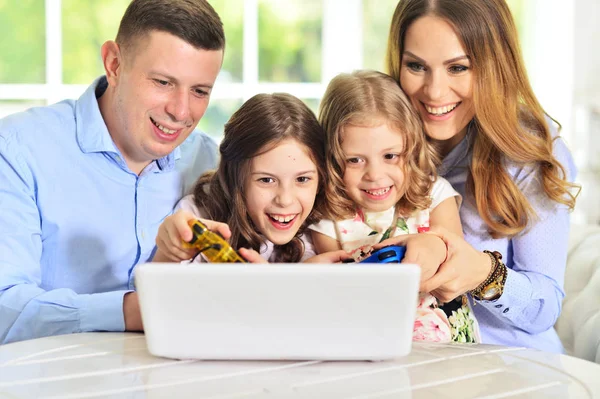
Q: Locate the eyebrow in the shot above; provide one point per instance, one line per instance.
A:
(450, 61)
(176, 81)
(306, 172)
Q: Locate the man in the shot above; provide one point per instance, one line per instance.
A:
(85, 184)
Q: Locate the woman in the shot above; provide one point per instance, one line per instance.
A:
(460, 64)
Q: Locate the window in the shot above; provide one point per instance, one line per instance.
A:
(293, 46)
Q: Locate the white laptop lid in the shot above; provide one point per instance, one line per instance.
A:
(278, 311)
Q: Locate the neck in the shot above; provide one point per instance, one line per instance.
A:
(445, 146)
(107, 110)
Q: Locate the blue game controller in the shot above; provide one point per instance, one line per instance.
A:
(390, 254)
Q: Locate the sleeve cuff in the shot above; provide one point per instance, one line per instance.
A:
(102, 312)
(516, 296)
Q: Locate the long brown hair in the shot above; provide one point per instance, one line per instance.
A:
(261, 123)
(510, 123)
(371, 98)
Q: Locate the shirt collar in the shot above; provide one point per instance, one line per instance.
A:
(458, 153)
(92, 133)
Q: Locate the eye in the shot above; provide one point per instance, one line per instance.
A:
(201, 93)
(266, 180)
(303, 179)
(457, 69)
(415, 66)
(391, 156)
(161, 82)
(354, 160)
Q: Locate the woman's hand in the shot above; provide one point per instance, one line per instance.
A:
(174, 230)
(426, 250)
(464, 269)
(329, 257)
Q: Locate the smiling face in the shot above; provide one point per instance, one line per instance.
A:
(281, 190)
(373, 176)
(157, 94)
(436, 75)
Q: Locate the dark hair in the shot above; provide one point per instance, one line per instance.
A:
(260, 124)
(194, 21)
(510, 123)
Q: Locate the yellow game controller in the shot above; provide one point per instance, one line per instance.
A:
(211, 245)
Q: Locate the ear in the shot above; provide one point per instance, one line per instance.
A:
(111, 60)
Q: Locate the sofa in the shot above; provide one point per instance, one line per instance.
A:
(579, 323)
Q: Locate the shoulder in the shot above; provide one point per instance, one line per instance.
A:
(326, 227)
(198, 154)
(442, 190)
(38, 125)
(198, 141)
(187, 204)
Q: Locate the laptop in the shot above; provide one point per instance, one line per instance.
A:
(278, 311)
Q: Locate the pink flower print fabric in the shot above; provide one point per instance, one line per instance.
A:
(452, 322)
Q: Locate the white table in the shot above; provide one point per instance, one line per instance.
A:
(118, 365)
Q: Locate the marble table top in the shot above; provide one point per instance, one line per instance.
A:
(113, 365)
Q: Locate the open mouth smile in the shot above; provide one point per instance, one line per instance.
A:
(164, 129)
(378, 193)
(439, 111)
(282, 222)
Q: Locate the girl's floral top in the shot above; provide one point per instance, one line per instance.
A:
(449, 322)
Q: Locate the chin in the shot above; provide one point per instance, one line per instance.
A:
(279, 240)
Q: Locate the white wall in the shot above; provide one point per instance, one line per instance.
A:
(561, 45)
(586, 99)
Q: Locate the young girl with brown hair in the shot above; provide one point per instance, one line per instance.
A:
(268, 186)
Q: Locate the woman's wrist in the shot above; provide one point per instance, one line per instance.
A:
(493, 286)
(488, 265)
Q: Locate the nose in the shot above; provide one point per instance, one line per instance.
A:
(284, 196)
(436, 84)
(373, 172)
(178, 106)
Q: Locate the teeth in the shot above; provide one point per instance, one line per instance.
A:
(281, 218)
(440, 110)
(164, 129)
(381, 191)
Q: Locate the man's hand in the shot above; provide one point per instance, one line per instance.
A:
(464, 269)
(131, 312)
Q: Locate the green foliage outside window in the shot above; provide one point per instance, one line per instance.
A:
(377, 17)
(88, 24)
(290, 40)
(23, 45)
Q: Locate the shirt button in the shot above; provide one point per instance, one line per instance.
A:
(505, 310)
(498, 306)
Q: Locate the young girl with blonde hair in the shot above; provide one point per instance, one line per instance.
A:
(382, 183)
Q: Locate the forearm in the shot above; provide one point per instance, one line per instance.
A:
(27, 311)
(533, 293)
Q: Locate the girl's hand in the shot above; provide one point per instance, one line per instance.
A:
(426, 250)
(251, 255)
(175, 229)
(464, 269)
(329, 257)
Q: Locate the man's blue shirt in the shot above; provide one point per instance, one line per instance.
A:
(74, 220)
